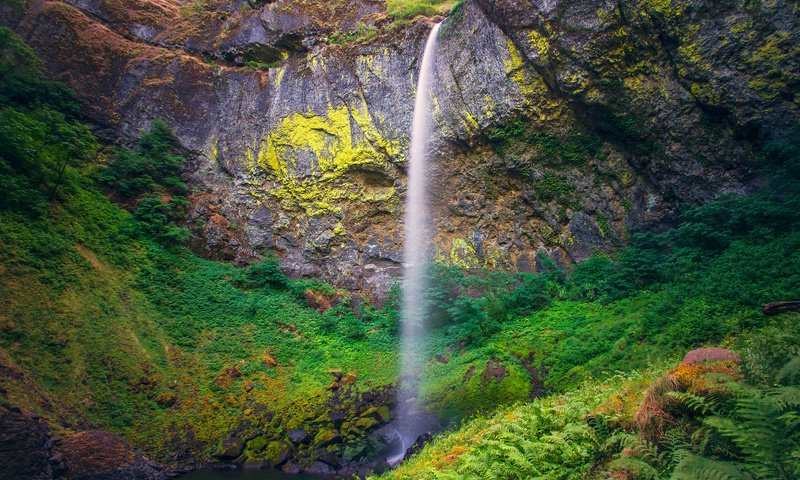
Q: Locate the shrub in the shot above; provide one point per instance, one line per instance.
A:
(266, 273)
(151, 166)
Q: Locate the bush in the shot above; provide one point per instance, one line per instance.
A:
(152, 166)
(39, 134)
(266, 273)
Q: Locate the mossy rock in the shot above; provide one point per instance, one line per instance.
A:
(231, 448)
(325, 437)
(257, 444)
(381, 414)
(354, 452)
(367, 423)
(277, 453)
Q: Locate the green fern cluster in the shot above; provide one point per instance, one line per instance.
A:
(743, 432)
(558, 437)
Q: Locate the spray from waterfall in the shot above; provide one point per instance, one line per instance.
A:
(416, 250)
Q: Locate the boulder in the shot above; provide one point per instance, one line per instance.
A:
(320, 468)
(381, 413)
(277, 453)
(710, 355)
(326, 437)
(232, 448)
(290, 468)
(99, 454)
(298, 436)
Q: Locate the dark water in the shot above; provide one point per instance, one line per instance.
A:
(244, 474)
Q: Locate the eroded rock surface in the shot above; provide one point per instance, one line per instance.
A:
(558, 123)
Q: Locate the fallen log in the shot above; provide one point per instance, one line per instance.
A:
(776, 308)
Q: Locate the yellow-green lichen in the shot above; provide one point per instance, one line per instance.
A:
(280, 72)
(309, 155)
(539, 43)
(463, 253)
(670, 9)
(770, 58)
(533, 89)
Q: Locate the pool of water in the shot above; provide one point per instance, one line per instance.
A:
(244, 474)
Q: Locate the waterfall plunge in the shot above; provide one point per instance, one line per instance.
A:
(415, 254)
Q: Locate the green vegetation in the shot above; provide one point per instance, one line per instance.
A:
(255, 65)
(408, 9)
(696, 421)
(112, 322)
(665, 293)
(362, 33)
(116, 324)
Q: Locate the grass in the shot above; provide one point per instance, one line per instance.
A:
(409, 9)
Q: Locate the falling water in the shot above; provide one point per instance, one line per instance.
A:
(417, 241)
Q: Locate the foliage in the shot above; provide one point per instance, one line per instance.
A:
(256, 65)
(408, 9)
(150, 167)
(266, 273)
(362, 33)
(148, 177)
(555, 437)
(106, 313)
(40, 135)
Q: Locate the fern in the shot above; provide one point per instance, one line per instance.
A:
(790, 373)
(758, 437)
(695, 467)
(702, 405)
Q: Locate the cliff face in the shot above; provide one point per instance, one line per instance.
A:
(558, 123)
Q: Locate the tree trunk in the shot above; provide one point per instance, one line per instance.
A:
(776, 308)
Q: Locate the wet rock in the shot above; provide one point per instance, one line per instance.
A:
(328, 457)
(290, 468)
(320, 468)
(298, 436)
(418, 445)
(254, 464)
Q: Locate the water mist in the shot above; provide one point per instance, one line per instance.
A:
(415, 255)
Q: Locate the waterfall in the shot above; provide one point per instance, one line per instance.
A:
(416, 252)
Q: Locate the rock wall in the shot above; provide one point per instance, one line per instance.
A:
(558, 123)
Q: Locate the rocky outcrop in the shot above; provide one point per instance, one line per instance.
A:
(26, 448)
(341, 432)
(558, 124)
(29, 450)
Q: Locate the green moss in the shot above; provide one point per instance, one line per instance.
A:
(552, 187)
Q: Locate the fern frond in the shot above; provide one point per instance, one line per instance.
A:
(790, 373)
(694, 467)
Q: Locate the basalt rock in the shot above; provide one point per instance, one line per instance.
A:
(557, 124)
(25, 446)
(96, 454)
